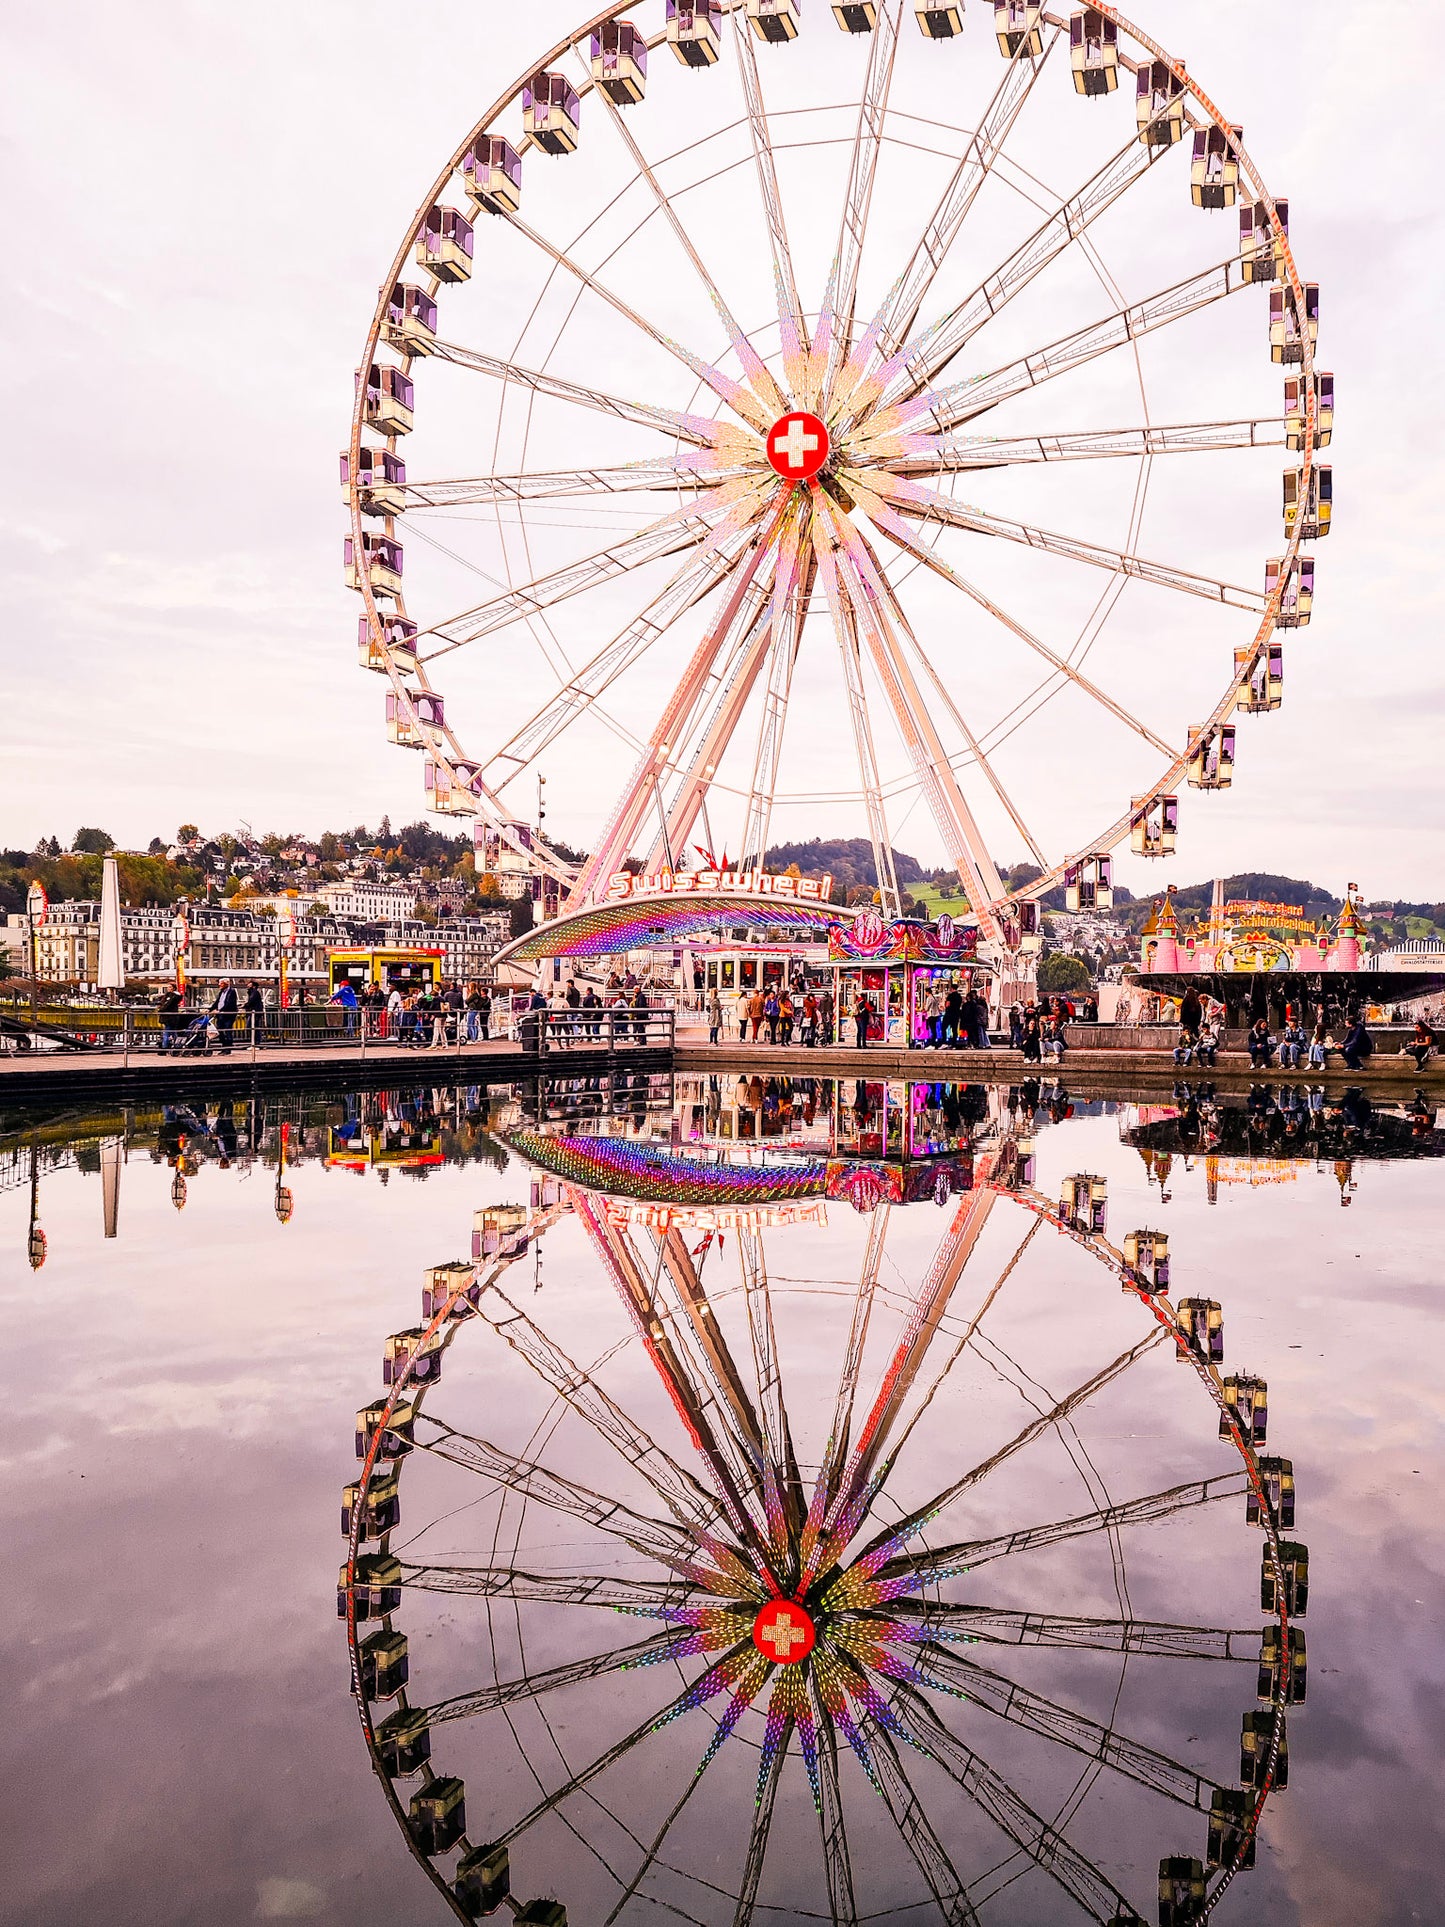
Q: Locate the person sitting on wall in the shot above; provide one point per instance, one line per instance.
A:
(1207, 1048)
(1261, 1045)
(1358, 1046)
(1292, 1045)
(1421, 1046)
(1187, 1045)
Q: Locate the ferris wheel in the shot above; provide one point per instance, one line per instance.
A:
(758, 420)
(862, 1600)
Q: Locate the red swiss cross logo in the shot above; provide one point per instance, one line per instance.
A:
(798, 446)
(783, 1632)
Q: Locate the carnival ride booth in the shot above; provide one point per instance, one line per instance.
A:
(744, 930)
(400, 969)
(895, 966)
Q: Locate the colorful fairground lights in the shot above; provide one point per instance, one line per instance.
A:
(798, 1616)
(782, 494)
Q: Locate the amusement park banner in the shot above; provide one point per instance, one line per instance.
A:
(688, 882)
(871, 939)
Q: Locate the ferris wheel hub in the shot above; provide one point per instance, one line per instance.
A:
(784, 1632)
(798, 446)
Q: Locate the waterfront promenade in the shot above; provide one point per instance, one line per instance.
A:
(1124, 1056)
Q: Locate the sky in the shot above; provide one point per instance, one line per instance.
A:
(211, 208)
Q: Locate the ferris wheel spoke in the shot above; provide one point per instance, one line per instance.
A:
(686, 1498)
(733, 394)
(878, 1555)
(710, 1343)
(913, 500)
(707, 1686)
(1035, 1837)
(1007, 1626)
(641, 792)
(568, 484)
(898, 532)
(729, 685)
(791, 320)
(788, 635)
(645, 1598)
(731, 682)
(871, 596)
(895, 319)
(845, 629)
(919, 363)
(971, 741)
(704, 1418)
(936, 1667)
(749, 1682)
(952, 455)
(751, 362)
(782, 1486)
(667, 1543)
(885, 1470)
(654, 1650)
(701, 430)
(681, 528)
(950, 408)
(834, 337)
(837, 1861)
(911, 1572)
(835, 1452)
(780, 1731)
(917, 1831)
(937, 1289)
(693, 582)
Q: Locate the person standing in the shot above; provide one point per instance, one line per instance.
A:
(714, 1017)
(224, 1009)
(592, 1004)
(810, 1021)
(952, 1016)
(255, 1012)
(172, 1022)
(786, 1014)
(862, 1011)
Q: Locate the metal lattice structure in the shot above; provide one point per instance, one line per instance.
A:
(782, 501)
(789, 1604)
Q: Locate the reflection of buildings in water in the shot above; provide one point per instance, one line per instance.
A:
(1276, 1133)
(787, 1599)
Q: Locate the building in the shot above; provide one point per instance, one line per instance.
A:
(368, 902)
(468, 944)
(67, 944)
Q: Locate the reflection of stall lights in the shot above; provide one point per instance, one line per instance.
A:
(285, 1203)
(666, 1217)
(657, 1174)
(178, 1191)
(36, 1247)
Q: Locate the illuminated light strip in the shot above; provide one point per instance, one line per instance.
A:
(654, 1174)
(608, 929)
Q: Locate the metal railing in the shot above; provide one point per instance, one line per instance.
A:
(148, 1035)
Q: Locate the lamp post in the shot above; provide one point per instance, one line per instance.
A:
(37, 909)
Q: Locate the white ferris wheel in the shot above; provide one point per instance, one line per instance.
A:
(763, 425)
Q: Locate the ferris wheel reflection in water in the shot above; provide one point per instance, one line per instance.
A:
(790, 1479)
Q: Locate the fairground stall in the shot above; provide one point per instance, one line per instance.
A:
(897, 965)
(1260, 959)
(403, 968)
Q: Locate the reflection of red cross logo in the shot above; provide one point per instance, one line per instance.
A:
(798, 446)
(783, 1632)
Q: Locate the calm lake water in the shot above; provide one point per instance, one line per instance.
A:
(737, 1343)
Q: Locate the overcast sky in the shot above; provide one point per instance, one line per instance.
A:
(209, 197)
